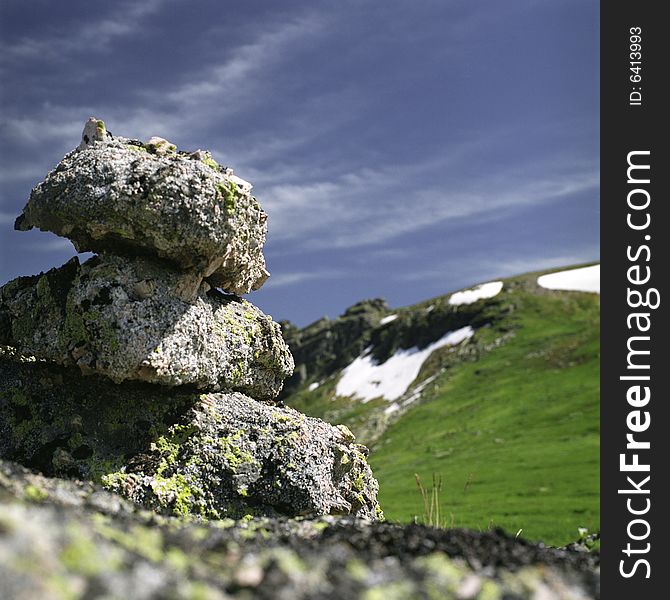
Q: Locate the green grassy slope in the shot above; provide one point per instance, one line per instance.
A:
(515, 435)
(512, 431)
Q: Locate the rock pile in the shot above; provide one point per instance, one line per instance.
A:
(132, 368)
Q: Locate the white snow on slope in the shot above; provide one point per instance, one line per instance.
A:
(365, 379)
(313, 386)
(485, 290)
(388, 319)
(586, 279)
(413, 397)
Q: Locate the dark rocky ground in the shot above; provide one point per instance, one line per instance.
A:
(63, 539)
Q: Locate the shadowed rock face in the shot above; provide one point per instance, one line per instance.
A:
(136, 319)
(177, 451)
(119, 196)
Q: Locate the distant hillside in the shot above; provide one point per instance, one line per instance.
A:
(496, 389)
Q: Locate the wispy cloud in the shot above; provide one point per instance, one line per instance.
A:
(232, 76)
(476, 270)
(52, 245)
(52, 123)
(181, 108)
(91, 36)
(286, 279)
(373, 206)
(303, 123)
(7, 218)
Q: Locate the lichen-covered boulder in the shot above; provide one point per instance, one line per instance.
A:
(138, 319)
(116, 195)
(233, 456)
(177, 451)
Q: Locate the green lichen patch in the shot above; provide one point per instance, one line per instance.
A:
(227, 192)
(34, 494)
(176, 493)
(135, 319)
(136, 148)
(233, 452)
(211, 163)
(82, 556)
(144, 541)
(236, 457)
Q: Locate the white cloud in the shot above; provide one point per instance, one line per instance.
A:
(53, 123)
(312, 203)
(217, 90)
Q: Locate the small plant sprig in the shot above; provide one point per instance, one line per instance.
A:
(431, 500)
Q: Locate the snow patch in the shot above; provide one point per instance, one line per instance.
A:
(366, 379)
(485, 290)
(313, 386)
(415, 395)
(388, 319)
(586, 279)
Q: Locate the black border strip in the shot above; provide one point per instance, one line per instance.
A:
(634, 122)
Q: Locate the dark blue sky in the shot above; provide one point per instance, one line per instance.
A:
(402, 149)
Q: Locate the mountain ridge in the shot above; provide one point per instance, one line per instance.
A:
(522, 336)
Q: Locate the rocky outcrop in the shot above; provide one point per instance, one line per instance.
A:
(121, 196)
(179, 451)
(138, 319)
(327, 346)
(70, 539)
(111, 369)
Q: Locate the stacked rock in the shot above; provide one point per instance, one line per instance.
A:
(132, 368)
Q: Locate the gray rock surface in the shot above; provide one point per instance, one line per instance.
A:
(177, 451)
(138, 319)
(94, 131)
(233, 456)
(121, 196)
(65, 539)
